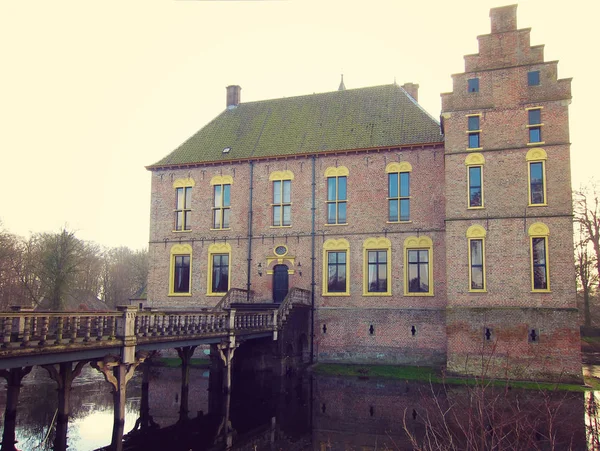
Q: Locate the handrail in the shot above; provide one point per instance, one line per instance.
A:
(296, 296)
(234, 296)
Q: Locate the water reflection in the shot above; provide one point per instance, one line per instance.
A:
(304, 413)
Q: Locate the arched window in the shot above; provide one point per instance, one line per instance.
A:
(183, 204)
(337, 195)
(474, 163)
(221, 201)
(476, 239)
(418, 266)
(538, 242)
(377, 267)
(219, 269)
(282, 198)
(536, 162)
(180, 273)
(336, 264)
(398, 191)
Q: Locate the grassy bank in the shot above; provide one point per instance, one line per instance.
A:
(175, 362)
(425, 374)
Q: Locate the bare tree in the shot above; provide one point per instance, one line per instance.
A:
(585, 265)
(125, 272)
(587, 214)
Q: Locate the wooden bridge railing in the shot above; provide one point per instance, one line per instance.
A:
(26, 332)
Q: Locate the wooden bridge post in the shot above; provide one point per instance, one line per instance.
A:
(185, 354)
(226, 350)
(118, 374)
(63, 374)
(13, 377)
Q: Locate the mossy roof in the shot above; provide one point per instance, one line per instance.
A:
(379, 116)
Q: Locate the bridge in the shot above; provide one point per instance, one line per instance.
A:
(115, 343)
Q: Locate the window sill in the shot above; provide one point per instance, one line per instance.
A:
(378, 294)
(476, 208)
(474, 148)
(537, 205)
(541, 291)
(477, 291)
(280, 227)
(216, 294)
(335, 294)
(182, 231)
(536, 143)
(341, 224)
(218, 230)
(176, 295)
(535, 125)
(398, 222)
(418, 294)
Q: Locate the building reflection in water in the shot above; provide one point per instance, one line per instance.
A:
(297, 413)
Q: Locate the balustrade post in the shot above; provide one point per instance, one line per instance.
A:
(231, 328)
(26, 332)
(59, 329)
(100, 322)
(74, 328)
(127, 333)
(275, 326)
(88, 329)
(7, 329)
(44, 331)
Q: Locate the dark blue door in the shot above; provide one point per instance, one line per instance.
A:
(280, 283)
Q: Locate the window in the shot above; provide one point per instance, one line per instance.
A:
(474, 131)
(282, 198)
(474, 163)
(533, 78)
(535, 125)
(540, 278)
(536, 160)
(221, 201)
(336, 194)
(218, 274)
(418, 277)
(476, 239)
(473, 84)
(335, 267)
(181, 270)
(183, 204)
(398, 191)
(377, 267)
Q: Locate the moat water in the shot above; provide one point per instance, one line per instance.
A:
(308, 412)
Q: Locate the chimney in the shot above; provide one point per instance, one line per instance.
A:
(504, 18)
(412, 89)
(233, 96)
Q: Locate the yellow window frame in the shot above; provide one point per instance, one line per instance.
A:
(281, 176)
(472, 132)
(217, 249)
(335, 245)
(182, 183)
(539, 230)
(418, 243)
(540, 125)
(377, 244)
(336, 172)
(477, 232)
(474, 160)
(398, 168)
(536, 155)
(179, 250)
(221, 180)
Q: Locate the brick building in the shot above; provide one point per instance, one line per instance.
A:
(422, 242)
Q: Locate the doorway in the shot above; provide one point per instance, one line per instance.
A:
(280, 283)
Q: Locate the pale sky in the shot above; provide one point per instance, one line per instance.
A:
(93, 91)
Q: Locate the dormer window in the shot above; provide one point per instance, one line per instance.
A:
(226, 149)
